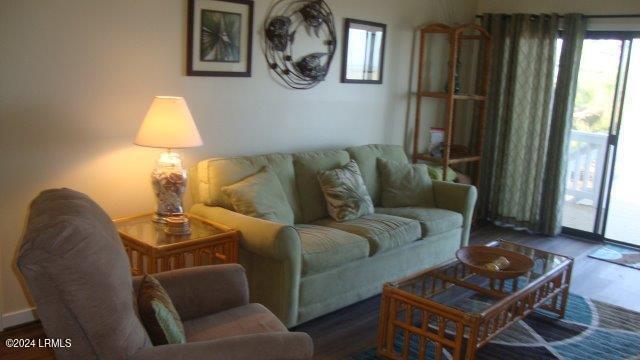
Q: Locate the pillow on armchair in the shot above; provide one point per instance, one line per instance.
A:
(344, 190)
(261, 196)
(405, 185)
(158, 314)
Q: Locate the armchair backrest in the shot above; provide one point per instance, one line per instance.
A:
(78, 274)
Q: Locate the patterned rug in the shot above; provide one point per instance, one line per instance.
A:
(591, 330)
(617, 254)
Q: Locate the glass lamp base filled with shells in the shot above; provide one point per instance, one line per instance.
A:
(169, 181)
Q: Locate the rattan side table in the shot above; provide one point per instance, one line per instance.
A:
(151, 250)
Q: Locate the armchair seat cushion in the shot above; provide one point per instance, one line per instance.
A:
(325, 248)
(433, 221)
(243, 320)
(384, 232)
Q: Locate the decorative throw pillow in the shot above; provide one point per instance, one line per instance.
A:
(261, 196)
(435, 173)
(405, 184)
(158, 315)
(344, 190)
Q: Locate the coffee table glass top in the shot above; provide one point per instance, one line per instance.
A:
(472, 293)
(143, 229)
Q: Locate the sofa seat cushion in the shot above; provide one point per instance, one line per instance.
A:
(325, 248)
(432, 220)
(384, 232)
(244, 320)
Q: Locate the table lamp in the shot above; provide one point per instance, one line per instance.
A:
(169, 125)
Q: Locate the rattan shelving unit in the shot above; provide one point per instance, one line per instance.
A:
(456, 34)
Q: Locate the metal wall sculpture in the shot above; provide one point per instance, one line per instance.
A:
(284, 20)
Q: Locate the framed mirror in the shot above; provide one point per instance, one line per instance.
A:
(363, 52)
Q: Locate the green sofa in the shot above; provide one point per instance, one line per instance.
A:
(319, 265)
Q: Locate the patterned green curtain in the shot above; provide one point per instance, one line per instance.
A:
(528, 121)
(561, 118)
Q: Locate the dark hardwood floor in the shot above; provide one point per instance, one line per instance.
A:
(29, 331)
(349, 330)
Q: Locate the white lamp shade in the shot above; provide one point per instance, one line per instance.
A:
(168, 124)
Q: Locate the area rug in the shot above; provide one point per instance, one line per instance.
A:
(591, 330)
(618, 254)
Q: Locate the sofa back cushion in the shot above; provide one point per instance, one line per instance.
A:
(366, 156)
(307, 165)
(405, 185)
(78, 274)
(213, 174)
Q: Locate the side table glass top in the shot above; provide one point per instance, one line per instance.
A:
(143, 229)
(474, 293)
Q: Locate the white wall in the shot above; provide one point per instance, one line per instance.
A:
(78, 76)
(587, 7)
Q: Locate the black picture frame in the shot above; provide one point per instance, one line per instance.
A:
(246, 72)
(345, 50)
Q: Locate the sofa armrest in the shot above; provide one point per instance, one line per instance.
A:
(266, 238)
(460, 198)
(271, 253)
(271, 346)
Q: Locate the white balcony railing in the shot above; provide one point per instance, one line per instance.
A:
(587, 153)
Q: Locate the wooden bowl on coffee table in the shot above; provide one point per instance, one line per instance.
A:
(475, 257)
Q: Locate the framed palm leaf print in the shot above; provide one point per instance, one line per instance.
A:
(219, 38)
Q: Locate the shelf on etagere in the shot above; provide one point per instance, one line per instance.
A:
(470, 37)
(452, 160)
(456, 35)
(444, 95)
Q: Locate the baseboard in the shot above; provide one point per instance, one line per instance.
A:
(19, 317)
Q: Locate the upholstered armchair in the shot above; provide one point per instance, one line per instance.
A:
(78, 274)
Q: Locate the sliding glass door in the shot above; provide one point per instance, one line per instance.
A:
(623, 213)
(592, 119)
(602, 199)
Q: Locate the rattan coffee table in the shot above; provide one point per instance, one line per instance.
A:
(448, 309)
